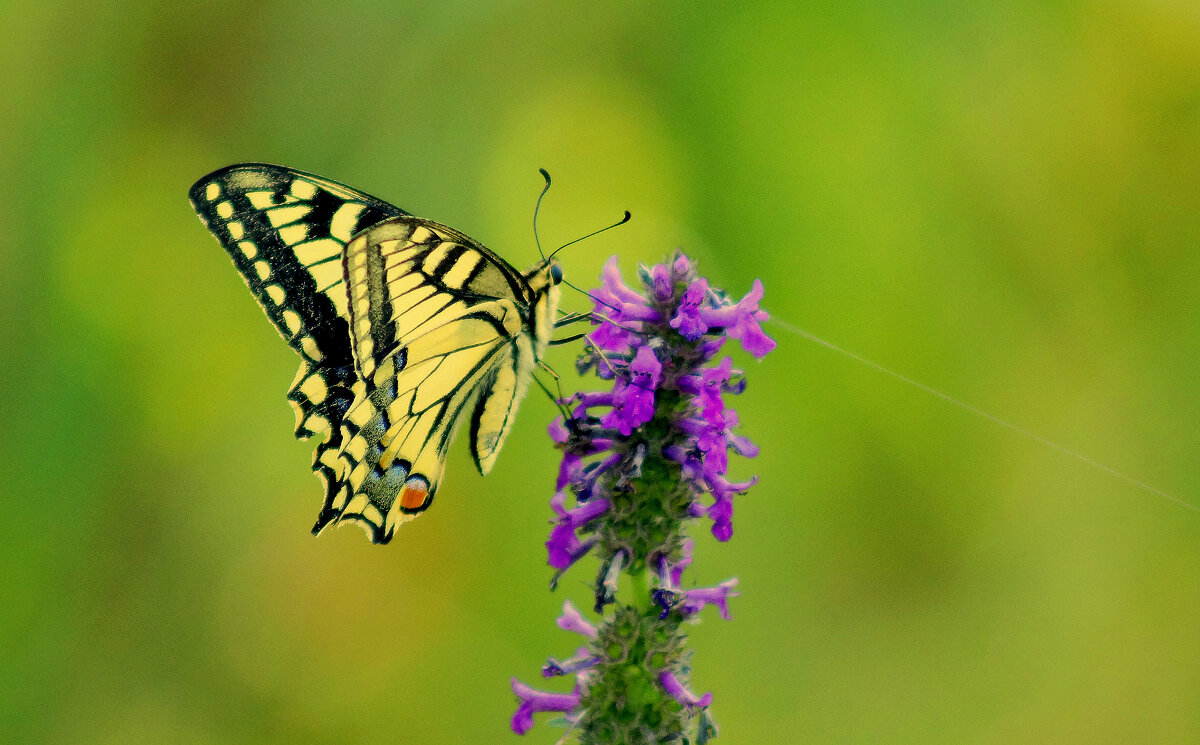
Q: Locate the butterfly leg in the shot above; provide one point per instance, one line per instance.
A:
(594, 317)
(562, 397)
(569, 318)
(600, 353)
(566, 340)
(572, 318)
(558, 402)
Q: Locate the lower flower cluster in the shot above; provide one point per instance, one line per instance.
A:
(640, 461)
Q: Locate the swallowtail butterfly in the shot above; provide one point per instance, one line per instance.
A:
(405, 328)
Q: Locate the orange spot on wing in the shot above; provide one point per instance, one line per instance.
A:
(413, 494)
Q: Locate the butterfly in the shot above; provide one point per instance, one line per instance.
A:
(405, 329)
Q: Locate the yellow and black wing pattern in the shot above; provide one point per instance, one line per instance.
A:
(405, 328)
(286, 231)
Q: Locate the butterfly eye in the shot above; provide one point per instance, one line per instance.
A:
(556, 274)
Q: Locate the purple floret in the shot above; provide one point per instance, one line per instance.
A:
(741, 321)
(694, 600)
(572, 620)
(681, 694)
(534, 701)
(688, 320)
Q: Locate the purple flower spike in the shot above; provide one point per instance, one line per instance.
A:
(669, 573)
(534, 701)
(591, 473)
(694, 600)
(586, 401)
(685, 560)
(708, 389)
(617, 301)
(573, 620)
(586, 512)
(558, 431)
(742, 445)
(681, 268)
(665, 599)
(564, 548)
(578, 440)
(638, 461)
(570, 469)
(722, 489)
(710, 346)
(686, 698)
(688, 458)
(610, 335)
(721, 511)
(716, 453)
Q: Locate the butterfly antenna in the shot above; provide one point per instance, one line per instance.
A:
(622, 221)
(537, 207)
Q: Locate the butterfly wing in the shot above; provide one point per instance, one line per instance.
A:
(440, 328)
(286, 231)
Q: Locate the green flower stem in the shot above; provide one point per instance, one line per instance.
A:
(639, 587)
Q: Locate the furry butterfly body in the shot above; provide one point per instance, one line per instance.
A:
(405, 329)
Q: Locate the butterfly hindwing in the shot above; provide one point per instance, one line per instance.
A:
(497, 405)
(436, 319)
(493, 415)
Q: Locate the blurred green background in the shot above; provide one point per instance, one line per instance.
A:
(999, 199)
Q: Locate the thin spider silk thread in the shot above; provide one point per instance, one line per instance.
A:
(796, 330)
(784, 325)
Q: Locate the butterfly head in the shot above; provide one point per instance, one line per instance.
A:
(544, 275)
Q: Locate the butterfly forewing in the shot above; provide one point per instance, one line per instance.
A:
(285, 231)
